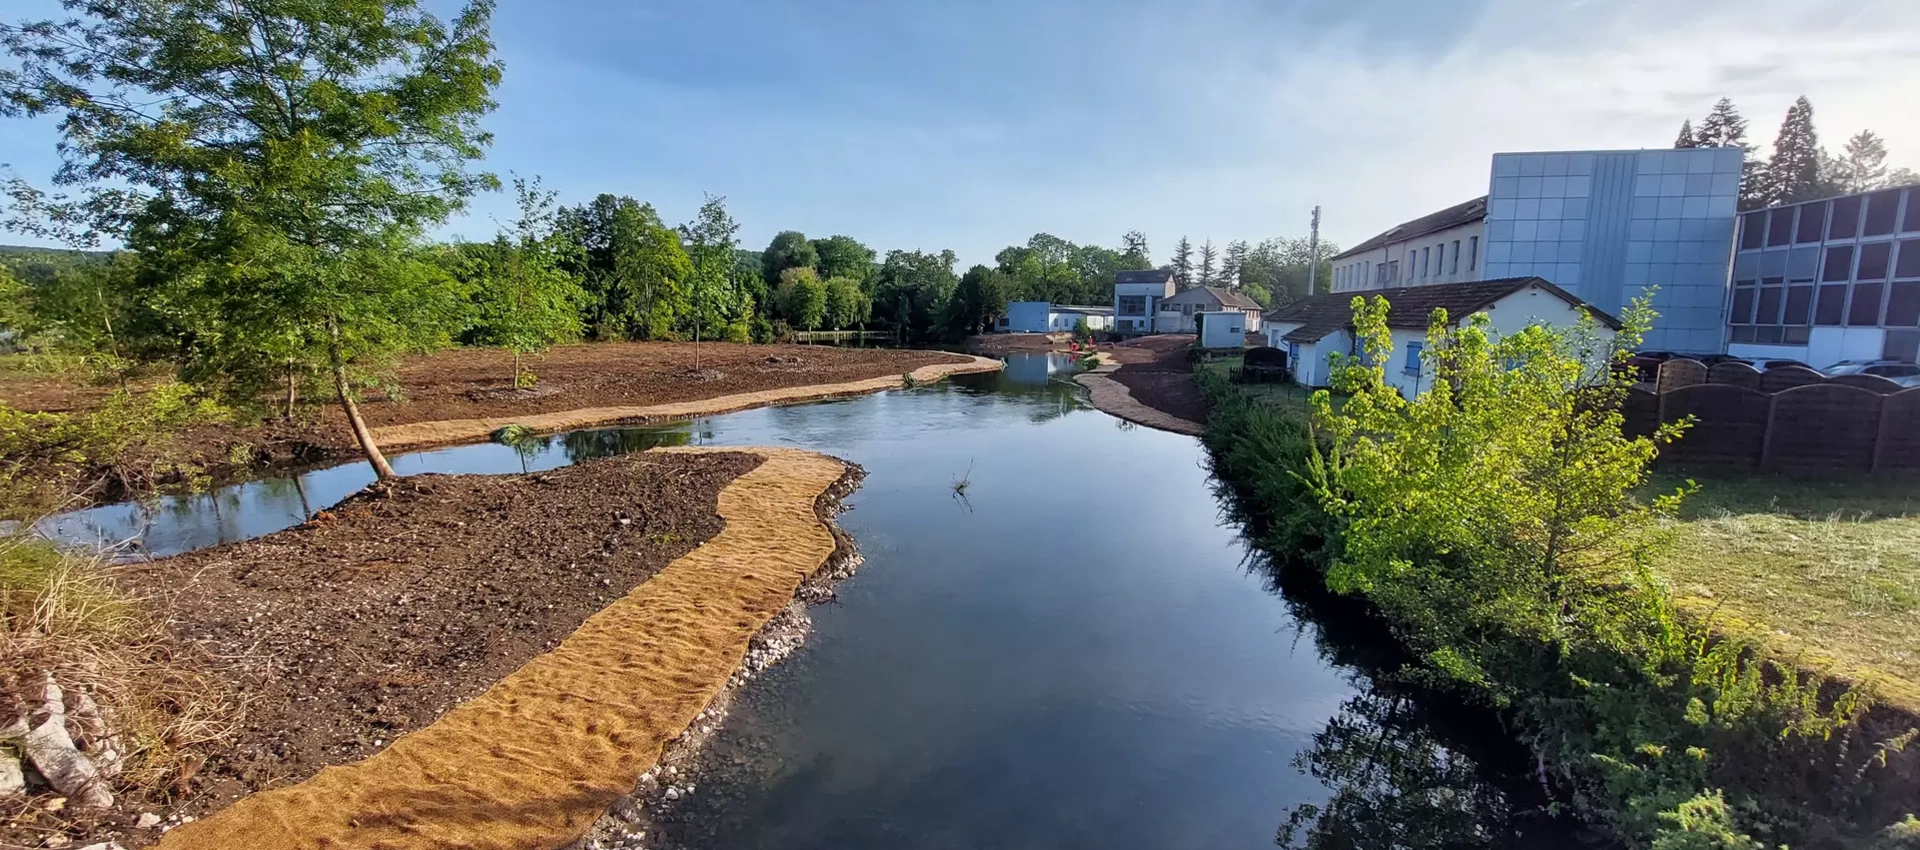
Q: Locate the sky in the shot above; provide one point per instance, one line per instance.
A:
(973, 124)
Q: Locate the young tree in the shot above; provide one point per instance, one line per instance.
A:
(711, 244)
(1863, 166)
(1135, 251)
(1722, 128)
(1208, 257)
(843, 256)
(1793, 172)
(524, 298)
(1686, 136)
(277, 159)
(1182, 264)
(788, 250)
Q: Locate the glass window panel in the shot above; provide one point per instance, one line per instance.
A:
(1873, 260)
(1803, 264)
(1903, 305)
(1865, 308)
(1839, 264)
(1797, 335)
(1773, 264)
(1813, 220)
(1882, 209)
(1746, 266)
(1832, 305)
(1753, 230)
(1912, 222)
(1799, 305)
(1909, 264)
(1846, 219)
(1742, 306)
(1770, 298)
(1743, 334)
(1769, 335)
(1780, 227)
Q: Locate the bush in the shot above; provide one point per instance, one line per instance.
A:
(121, 446)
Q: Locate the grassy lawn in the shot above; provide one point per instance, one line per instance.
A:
(1832, 566)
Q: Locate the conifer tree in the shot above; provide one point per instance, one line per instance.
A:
(1686, 136)
(1863, 166)
(1793, 172)
(1208, 258)
(1182, 264)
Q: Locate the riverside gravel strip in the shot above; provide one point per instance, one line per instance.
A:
(1148, 381)
(381, 614)
(533, 760)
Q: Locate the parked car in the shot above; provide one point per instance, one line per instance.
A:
(1647, 364)
(1775, 364)
(1904, 374)
(1717, 359)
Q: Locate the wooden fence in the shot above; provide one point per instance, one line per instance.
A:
(1790, 418)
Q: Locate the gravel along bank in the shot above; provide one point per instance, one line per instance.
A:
(541, 754)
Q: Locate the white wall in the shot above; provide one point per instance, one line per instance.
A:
(1511, 314)
(1827, 346)
(1224, 329)
(1360, 272)
(1067, 321)
(1134, 323)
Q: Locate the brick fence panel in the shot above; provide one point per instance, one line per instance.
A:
(1827, 427)
(1730, 423)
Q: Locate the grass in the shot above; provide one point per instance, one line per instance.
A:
(1830, 566)
(61, 616)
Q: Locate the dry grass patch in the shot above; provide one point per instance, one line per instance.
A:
(1834, 566)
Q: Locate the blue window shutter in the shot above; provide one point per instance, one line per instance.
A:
(1413, 357)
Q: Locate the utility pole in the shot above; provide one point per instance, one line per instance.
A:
(1313, 250)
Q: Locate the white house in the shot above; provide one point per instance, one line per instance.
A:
(1442, 247)
(1035, 317)
(1176, 313)
(1221, 328)
(1313, 328)
(1136, 299)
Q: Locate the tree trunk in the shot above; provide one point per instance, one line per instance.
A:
(515, 381)
(293, 391)
(381, 469)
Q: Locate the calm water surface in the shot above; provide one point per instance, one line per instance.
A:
(1074, 654)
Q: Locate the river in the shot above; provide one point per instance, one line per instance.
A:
(1072, 650)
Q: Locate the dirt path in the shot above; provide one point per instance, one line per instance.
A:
(535, 759)
(468, 430)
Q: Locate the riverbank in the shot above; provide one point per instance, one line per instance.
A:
(405, 613)
(589, 383)
(1769, 751)
(1149, 381)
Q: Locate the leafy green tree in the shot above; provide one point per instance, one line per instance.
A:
(1134, 250)
(525, 300)
(1095, 267)
(847, 304)
(980, 298)
(276, 160)
(788, 250)
(1793, 172)
(1275, 270)
(843, 256)
(715, 299)
(1182, 263)
(637, 276)
(803, 298)
(911, 291)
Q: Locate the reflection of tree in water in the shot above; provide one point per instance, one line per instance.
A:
(1409, 768)
(1394, 785)
(589, 445)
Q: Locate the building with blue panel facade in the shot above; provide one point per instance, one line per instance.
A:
(1605, 225)
(1829, 280)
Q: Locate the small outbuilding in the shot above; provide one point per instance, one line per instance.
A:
(1038, 317)
(1221, 329)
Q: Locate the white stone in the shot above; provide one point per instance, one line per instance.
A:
(148, 820)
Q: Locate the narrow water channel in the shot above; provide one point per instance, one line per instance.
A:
(1069, 651)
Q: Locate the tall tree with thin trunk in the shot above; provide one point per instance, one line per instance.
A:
(1722, 128)
(1234, 262)
(711, 244)
(1182, 264)
(1793, 172)
(524, 298)
(1135, 250)
(278, 159)
(1863, 166)
(1208, 258)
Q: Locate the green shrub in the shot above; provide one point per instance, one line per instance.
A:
(122, 445)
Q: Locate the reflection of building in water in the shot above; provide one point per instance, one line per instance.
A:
(1036, 369)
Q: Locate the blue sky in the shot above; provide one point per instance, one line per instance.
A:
(972, 125)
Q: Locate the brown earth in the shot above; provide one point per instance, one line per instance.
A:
(1007, 343)
(1155, 370)
(534, 760)
(380, 615)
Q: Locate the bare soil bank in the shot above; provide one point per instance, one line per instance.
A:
(376, 618)
(1155, 372)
